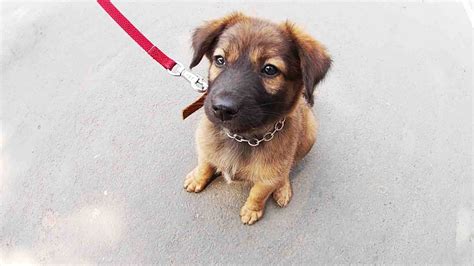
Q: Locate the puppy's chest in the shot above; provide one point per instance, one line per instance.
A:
(234, 160)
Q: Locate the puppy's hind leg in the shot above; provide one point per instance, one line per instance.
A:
(198, 178)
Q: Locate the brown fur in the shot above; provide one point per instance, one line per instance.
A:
(267, 166)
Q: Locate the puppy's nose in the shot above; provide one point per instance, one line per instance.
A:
(224, 109)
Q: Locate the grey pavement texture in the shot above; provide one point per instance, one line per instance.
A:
(94, 151)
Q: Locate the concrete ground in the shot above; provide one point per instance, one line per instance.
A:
(94, 151)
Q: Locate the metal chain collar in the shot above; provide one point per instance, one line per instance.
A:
(254, 141)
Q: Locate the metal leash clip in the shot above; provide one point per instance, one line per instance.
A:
(197, 82)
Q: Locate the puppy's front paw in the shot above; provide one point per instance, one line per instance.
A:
(248, 216)
(282, 195)
(194, 183)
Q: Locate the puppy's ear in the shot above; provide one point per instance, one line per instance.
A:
(314, 60)
(206, 36)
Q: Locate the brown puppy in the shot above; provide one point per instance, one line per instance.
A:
(259, 75)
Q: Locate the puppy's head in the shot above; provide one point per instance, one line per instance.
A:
(258, 69)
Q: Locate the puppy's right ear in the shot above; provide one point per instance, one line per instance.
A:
(206, 36)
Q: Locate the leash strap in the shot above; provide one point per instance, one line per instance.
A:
(136, 35)
(173, 67)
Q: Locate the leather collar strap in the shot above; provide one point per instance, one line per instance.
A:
(193, 107)
(196, 81)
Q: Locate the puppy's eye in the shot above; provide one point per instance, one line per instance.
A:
(219, 60)
(270, 70)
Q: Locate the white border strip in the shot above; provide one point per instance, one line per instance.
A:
(469, 11)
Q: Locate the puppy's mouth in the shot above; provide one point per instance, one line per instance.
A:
(235, 128)
(236, 125)
(242, 121)
(248, 122)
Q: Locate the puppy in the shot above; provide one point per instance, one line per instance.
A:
(258, 119)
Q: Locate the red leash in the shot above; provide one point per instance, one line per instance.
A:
(173, 67)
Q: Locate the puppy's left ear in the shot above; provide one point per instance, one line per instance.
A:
(314, 60)
(206, 36)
